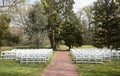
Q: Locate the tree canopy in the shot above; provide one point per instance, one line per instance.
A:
(35, 25)
(106, 20)
(60, 15)
(6, 38)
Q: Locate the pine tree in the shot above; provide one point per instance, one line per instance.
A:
(107, 23)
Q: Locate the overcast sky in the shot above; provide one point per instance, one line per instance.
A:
(81, 3)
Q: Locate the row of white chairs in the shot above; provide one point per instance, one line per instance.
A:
(28, 55)
(92, 55)
(116, 54)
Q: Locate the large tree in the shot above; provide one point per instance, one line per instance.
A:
(59, 13)
(6, 37)
(107, 23)
(71, 27)
(35, 25)
(71, 32)
(4, 25)
(53, 11)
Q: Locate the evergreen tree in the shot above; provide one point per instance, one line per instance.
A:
(71, 29)
(71, 33)
(107, 23)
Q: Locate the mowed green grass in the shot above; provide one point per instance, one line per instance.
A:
(106, 69)
(64, 47)
(87, 46)
(13, 68)
(6, 48)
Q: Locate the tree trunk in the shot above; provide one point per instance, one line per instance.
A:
(37, 41)
(89, 29)
(52, 41)
(69, 47)
(108, 46)
(0, 47)
(56, 44)
(108, 38)
(3, 3)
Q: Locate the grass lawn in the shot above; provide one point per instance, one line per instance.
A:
(13, 68)
(64, 47)
(106, 69)
(87, 46)
(6, 48)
